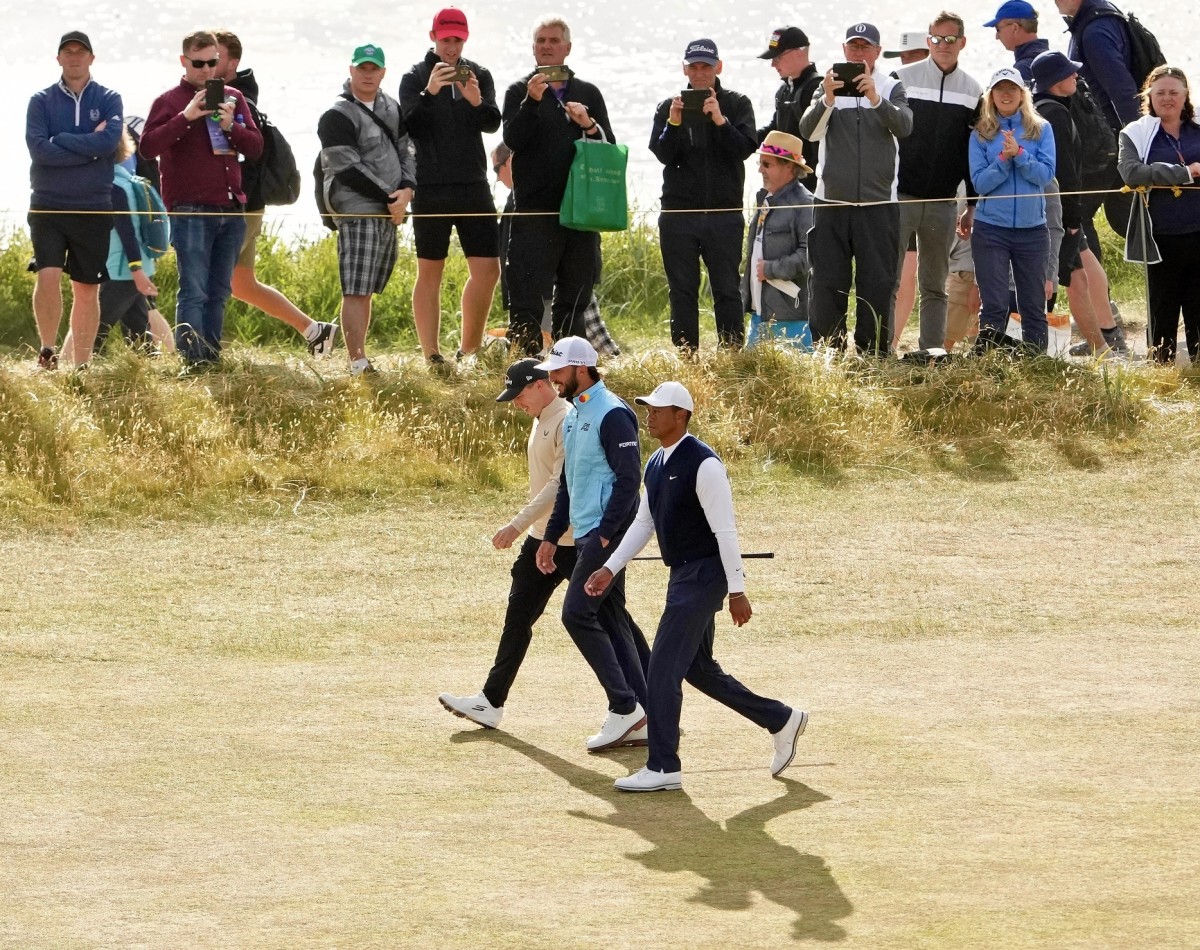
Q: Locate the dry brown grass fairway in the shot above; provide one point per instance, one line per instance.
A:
(228, 736)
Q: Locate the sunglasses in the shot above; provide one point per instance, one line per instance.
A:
(201, 63)
(948, 40)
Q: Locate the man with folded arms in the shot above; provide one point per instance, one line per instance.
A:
(687, 502)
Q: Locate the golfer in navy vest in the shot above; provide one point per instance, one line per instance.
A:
(688, 503)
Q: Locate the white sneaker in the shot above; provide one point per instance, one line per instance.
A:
(640, 737)
(647, 780)
(322, 343)
(617, 730)
(785, 741)
(475, 708)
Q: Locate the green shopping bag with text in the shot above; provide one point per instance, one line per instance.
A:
(595, 198)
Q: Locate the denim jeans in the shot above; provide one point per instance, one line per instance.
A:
(206, 249)
(1021, 252)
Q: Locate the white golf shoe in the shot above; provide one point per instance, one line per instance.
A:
(476, 708)
(785, 741)
(647, 780)
(618, 730)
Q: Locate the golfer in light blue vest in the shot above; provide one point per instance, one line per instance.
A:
(598, 494)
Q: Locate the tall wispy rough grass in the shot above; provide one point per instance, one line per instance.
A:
(129, 438)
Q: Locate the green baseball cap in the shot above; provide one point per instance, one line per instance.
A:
(368, 54)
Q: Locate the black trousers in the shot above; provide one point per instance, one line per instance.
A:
(1174, 287)
(548, 262)
(527, 598)
(121, 302)
(858, 246)
(686, 240)
(683, 649)
(603, 630)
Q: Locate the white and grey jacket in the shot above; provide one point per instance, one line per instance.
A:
(362, 163)
(859, 155)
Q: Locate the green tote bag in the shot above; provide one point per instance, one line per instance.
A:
(595, 198)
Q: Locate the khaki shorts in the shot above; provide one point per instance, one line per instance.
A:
(254, 221)
(962, 307)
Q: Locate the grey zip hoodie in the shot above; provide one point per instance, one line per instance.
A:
(859, 157)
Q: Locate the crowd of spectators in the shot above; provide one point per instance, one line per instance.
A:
(877, 181)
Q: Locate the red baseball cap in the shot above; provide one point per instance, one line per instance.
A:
(450, 22)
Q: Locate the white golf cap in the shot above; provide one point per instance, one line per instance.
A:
(569, 351)
(668, 394)
(910, 40)
(1006, 74)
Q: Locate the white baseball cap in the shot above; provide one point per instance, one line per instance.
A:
(910, 41)
(668, 394)
(1006, 74)
(569, 351)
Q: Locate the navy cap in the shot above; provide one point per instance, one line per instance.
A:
(1014, 10)
(701, 51)
(520, 375)
(1050, 68)
(864, 31)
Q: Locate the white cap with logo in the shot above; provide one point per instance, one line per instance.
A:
(569, 351)
(668, 394)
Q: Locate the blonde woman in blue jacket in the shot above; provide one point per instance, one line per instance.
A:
(1012, 159)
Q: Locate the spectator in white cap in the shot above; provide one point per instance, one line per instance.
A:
(859, 122)
(688, 504)
(1012, 159)
(775, 281)
(597, 495)
(912, 48)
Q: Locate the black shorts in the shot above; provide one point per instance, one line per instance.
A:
(1068, 256)
(469, 208)
(77, 243)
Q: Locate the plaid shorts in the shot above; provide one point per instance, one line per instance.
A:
(367, 249)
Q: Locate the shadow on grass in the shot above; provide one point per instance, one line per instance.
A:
(734, 861)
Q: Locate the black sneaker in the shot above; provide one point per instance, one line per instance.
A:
(439, 366)
(325, 340)
(47, 358)
(1115, 338)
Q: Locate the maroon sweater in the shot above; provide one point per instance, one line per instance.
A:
(191, 173)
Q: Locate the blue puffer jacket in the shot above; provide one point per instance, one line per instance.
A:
(1027, 174)
(73, 163)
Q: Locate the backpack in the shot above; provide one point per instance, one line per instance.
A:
(278, 178)
(1097, 141)
(153, 225)
(1144, 50)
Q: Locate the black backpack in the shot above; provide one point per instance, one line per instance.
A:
(1144, 50)
(274, 178)
(1097, 141)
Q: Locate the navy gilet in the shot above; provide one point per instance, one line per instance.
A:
(679, 520)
